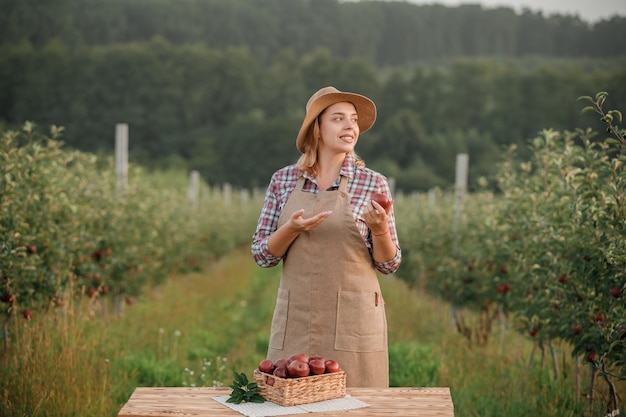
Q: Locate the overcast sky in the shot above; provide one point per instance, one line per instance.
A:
(588, 10)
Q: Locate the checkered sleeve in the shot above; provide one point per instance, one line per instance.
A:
(281, 185)
(267, 224)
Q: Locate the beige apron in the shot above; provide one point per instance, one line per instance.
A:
(329, 301)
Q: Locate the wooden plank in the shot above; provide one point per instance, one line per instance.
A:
(198, 402)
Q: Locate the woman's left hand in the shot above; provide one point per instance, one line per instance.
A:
(377, 218)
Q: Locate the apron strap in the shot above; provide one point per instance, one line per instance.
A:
(343, 185)
(300, 183)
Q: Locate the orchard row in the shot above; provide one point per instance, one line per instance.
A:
(68, 233)
(547, 254)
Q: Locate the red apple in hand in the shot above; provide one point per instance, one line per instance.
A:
(383, 200)
(298, 368)
(266, 366)
(331, 366)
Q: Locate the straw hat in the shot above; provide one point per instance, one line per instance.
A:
(327, 96)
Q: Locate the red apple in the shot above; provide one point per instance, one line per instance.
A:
(383, 200)
(331, 366)
(280, 372)
(96, 255)
(592, 357)
(503, 288)
(298, 356)
(577, 328)
(8, 298)
(280, 363)
(298, 369)
(317, 366)
(266, 366)
(563, 279)
(27, 314)
(616, 292)
(317, 357)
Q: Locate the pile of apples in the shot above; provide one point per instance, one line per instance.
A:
(299, 365)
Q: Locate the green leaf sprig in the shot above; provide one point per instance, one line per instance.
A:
(244, 391)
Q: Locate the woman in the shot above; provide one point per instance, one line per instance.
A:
(320, 220)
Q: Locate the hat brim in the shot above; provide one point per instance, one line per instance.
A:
(365, 109)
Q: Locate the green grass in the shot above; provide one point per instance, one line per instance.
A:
(196, 329)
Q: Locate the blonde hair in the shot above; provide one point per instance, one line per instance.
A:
(308, 160)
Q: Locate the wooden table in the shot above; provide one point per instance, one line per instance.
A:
(198, 402)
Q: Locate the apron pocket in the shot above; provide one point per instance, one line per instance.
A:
(361, 322)
(279, 320)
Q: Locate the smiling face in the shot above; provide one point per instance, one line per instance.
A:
(339, 128)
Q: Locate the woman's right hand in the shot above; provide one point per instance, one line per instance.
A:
(299, 224)
(284, 236)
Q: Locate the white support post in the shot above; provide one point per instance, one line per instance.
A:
(245, 197)
(392, 186)
(194, 188)
(121, 157)
(227, 194)
(460, 187)
(432, 198)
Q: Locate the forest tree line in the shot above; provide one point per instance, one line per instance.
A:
(383, 33)
(231, 106)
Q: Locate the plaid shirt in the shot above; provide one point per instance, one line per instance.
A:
(362, 183)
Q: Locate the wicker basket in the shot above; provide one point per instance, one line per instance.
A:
(295, 391)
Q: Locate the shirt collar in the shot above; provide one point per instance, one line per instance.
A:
(348, 169)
